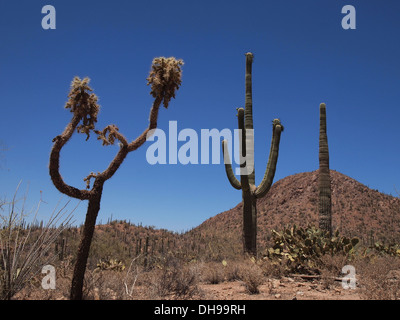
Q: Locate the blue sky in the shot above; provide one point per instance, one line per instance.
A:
(303, 57)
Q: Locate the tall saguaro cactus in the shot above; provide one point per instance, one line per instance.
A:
(324, 178)
(165, 79)
(250, 192)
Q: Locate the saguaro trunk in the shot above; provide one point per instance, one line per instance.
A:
(325, 203)
(250, 192)
(249, 198)
(249, 223)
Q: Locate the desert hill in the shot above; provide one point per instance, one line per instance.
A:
(356, 210)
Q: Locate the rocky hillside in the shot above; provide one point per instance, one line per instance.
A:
(357, 210)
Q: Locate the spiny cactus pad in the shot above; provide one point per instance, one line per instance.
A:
(303, 247)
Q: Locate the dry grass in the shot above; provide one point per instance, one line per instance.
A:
(273, 269)
(213, 273)
(174, 279)
(331, 269)
(248, 272)
(233, 270)
(379, 278)
(175, 276)
(24, 250)
(252, 277)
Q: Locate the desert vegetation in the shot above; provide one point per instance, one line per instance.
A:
(129, 261)
(295, 239)
(324, 177)
(165, 79)
(251, 192)
(26, 247)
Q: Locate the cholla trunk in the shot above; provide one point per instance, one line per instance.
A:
(84, 246)
(325, 202)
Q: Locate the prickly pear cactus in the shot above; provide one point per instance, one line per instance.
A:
(111, 264)
(303, 247)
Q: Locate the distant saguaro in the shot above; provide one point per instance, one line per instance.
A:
(324, 177)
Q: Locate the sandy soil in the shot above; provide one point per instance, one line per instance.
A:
(283, 289)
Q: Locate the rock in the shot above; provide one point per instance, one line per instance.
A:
(393, 275)
(288, 279)
(276, 284)
(277, 296)
(96, 294)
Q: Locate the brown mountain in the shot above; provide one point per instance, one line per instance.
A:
(356, 210)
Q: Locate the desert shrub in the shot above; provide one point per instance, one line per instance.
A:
(25, 249)
(174, 278)
(103, 285)
(330, 268)
(111, 280)
(213, 273)
(252, 277)
(232, 270)
(273, 268)
(379, 277)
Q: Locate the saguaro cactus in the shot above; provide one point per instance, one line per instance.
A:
(165, 79)
(324, 178)
(250, 192)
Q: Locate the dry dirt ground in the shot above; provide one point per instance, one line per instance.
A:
(282, 289)
(273, 289)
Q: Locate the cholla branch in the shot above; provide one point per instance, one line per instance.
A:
(165, 78)
(113, 133)
(83, 104)
(85, 108)
(87, 179)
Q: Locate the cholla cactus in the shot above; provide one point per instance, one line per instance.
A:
(165, 79)
(83, 105)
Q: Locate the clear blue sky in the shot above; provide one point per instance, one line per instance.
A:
(302, 57)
